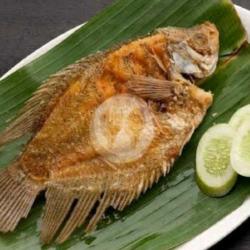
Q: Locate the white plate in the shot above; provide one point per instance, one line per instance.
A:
(223, 227)
(230, 222)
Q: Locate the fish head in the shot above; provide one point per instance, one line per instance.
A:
(194, 51)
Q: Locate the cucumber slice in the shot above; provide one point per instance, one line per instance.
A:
(240, 116)
(240, 152)
(214, 173)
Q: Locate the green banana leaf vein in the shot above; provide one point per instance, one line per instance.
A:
(174, 210)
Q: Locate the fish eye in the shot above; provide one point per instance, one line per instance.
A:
(200, 43)
(200, 39)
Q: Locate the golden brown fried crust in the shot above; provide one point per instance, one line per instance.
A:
(63, 141)
(61, 159)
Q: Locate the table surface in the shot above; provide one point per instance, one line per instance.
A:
(27, 25)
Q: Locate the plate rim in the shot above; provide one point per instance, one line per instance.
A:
(221, 228)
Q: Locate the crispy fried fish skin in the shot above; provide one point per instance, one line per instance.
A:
(139, 92)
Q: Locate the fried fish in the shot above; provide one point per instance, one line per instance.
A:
(106, 128)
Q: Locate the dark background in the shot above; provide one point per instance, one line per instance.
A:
(25, 25)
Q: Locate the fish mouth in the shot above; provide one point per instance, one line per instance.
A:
(188, 61)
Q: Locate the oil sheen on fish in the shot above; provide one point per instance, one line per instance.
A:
(106, 128)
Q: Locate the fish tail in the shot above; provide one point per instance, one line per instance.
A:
(17, 195)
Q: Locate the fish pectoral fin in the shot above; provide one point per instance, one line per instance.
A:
(154, 89)
(38, 108)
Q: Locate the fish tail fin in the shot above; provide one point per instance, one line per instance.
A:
(17, 195)
(154, 89)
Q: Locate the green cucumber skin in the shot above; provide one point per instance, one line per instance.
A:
(214, 192)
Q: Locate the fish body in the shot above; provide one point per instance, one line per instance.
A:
(106, 129)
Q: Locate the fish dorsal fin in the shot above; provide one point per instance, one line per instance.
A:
(37, 109)
(154, 89)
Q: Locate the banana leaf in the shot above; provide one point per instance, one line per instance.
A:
(174, 210)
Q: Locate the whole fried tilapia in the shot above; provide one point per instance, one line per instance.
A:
(106, 128)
